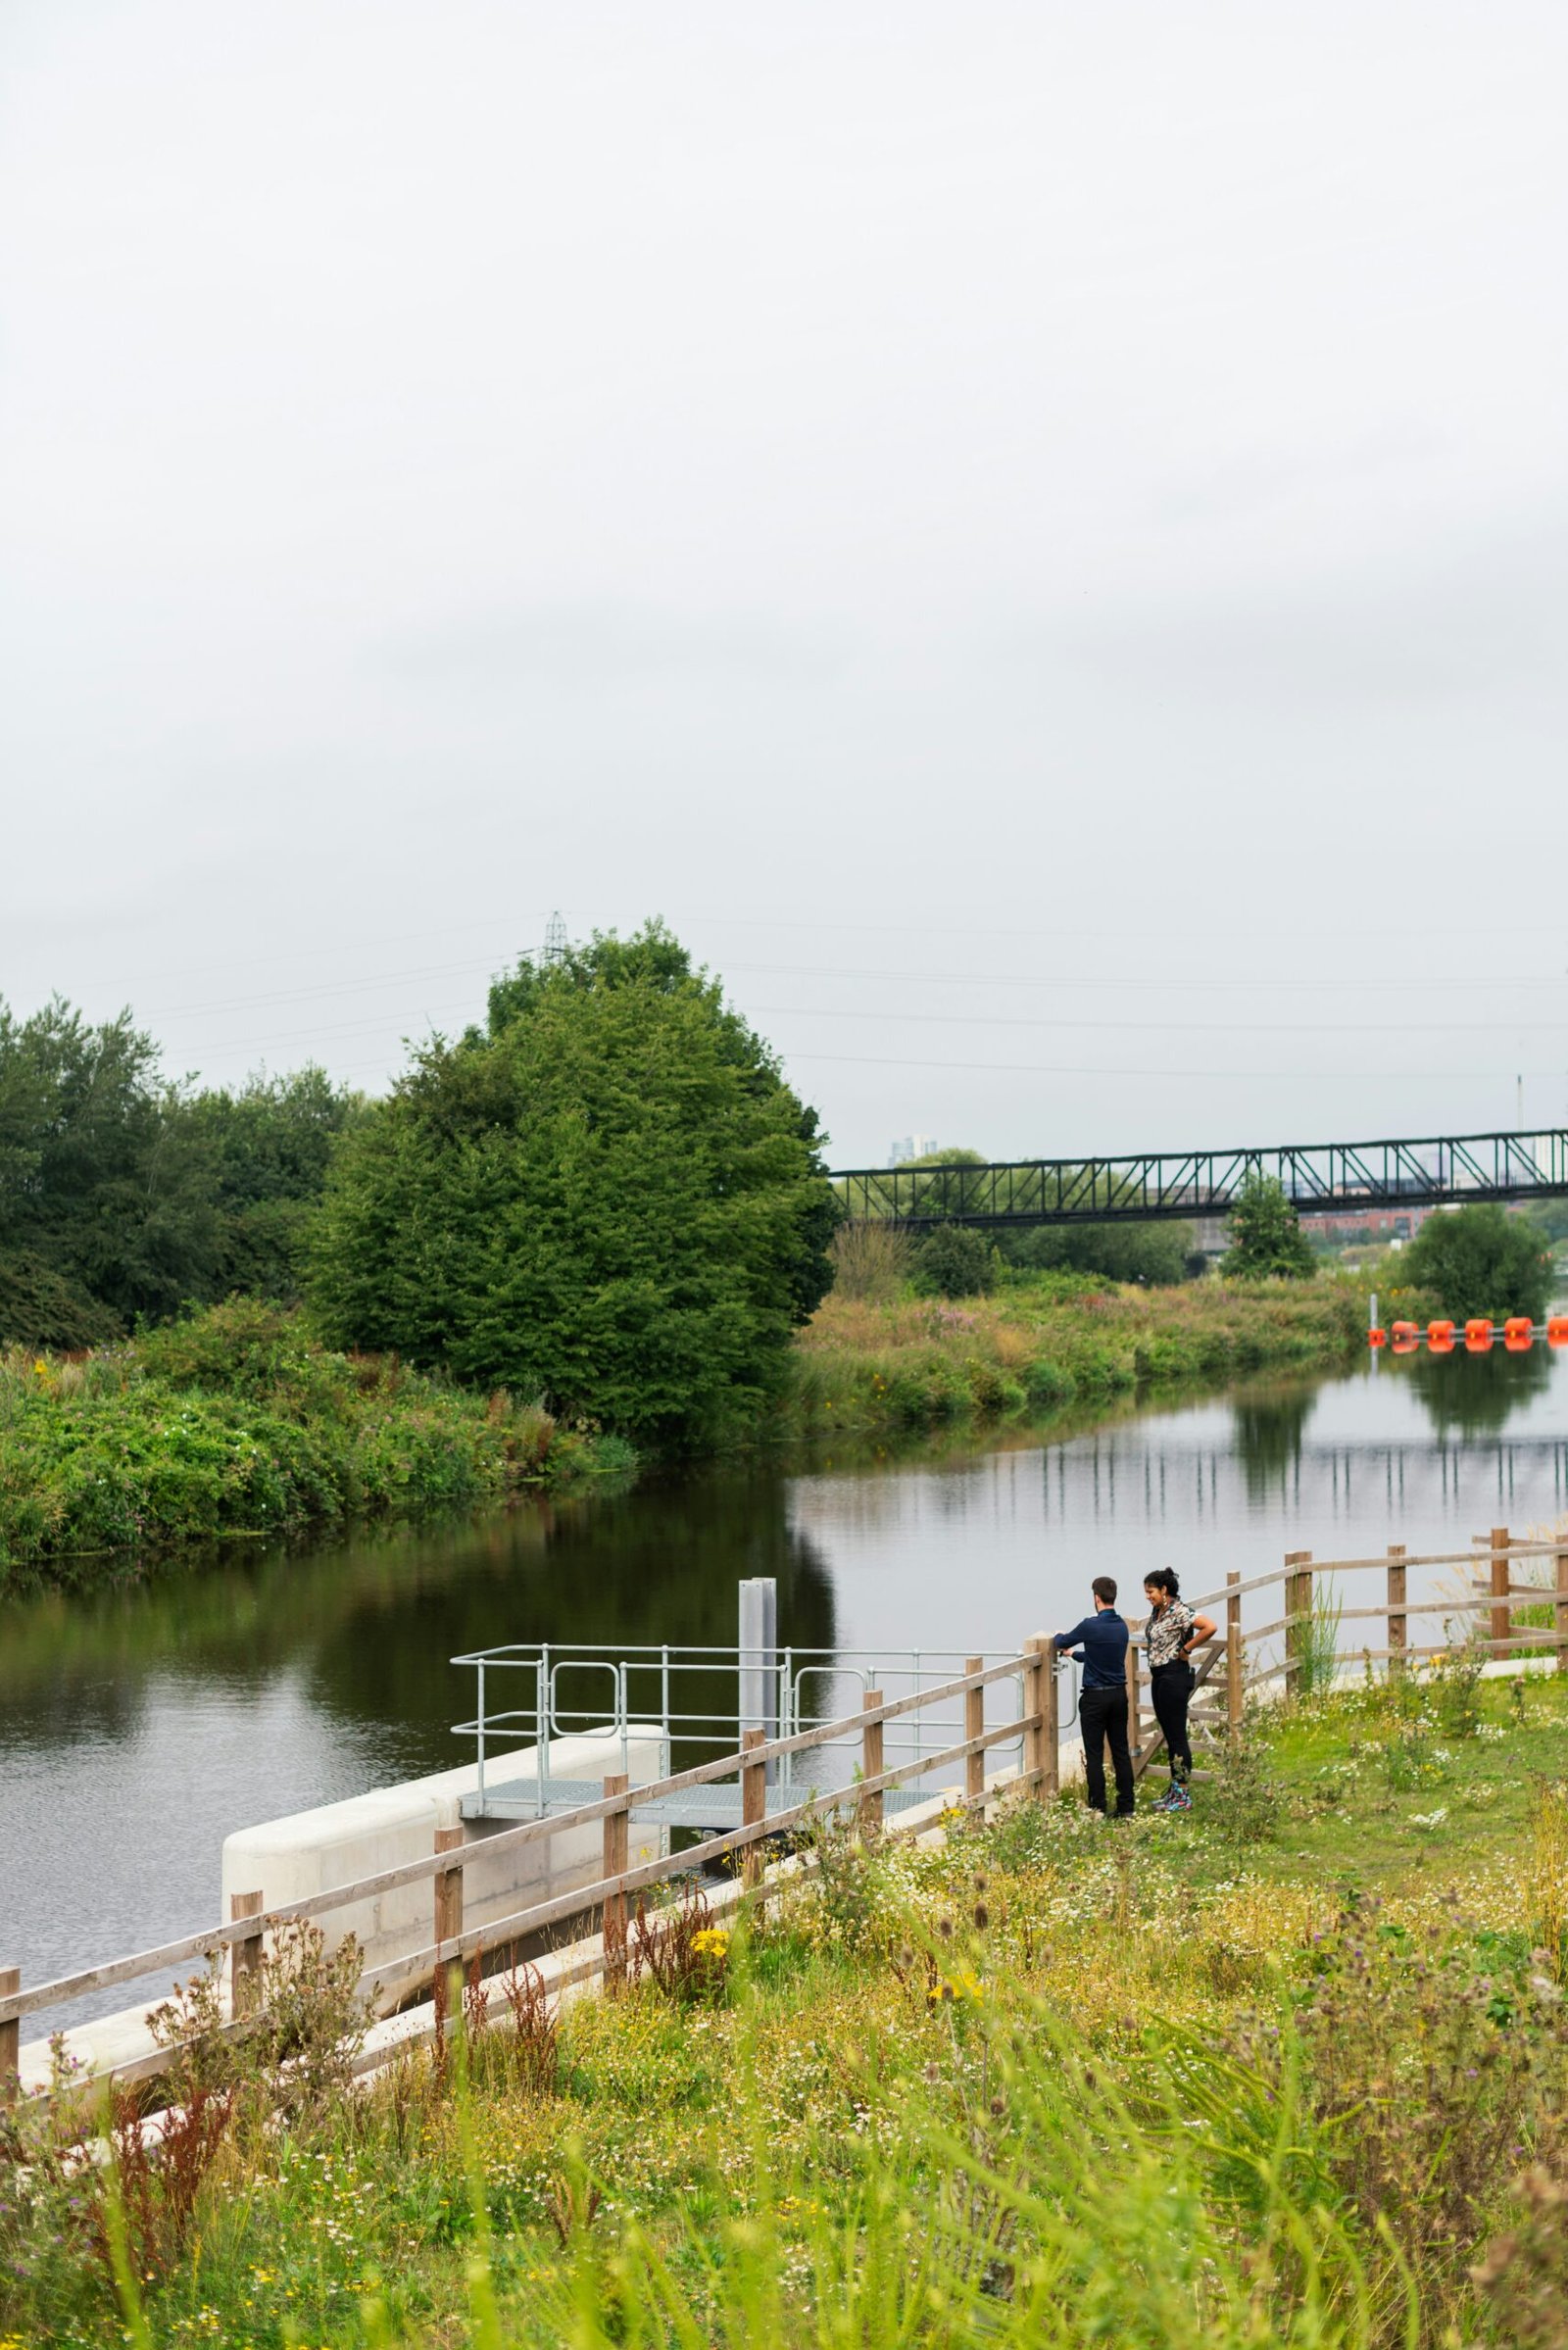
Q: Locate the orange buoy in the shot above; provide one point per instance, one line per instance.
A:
(1376, 1337)
(1477, 1335)
(1404, 1346)
(1557, 1331)
(1440, 1337)
(1518, 1326)
(1405, 1330)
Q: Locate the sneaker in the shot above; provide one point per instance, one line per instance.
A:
(1167, 1801)
(1178, 1799)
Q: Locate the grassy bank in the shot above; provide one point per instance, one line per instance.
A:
(1052, 1341)
(236, 1421)
(1293, 2068)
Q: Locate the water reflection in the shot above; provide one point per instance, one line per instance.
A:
(1477, 1395)
(1268, 1425)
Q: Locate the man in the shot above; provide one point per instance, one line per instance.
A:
(1100, 1644)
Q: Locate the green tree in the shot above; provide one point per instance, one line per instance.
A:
(105, 1195)
(1481, 1261)
(267, 1146)
(1266, 1235)
(955, 1261)
(609, 1198)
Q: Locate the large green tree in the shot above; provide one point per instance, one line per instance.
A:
(608, 1196)
(1480, 1260)
(1266, 1235)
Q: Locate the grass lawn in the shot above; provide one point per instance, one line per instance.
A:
(1262, 2072)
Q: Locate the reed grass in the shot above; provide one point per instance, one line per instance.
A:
(873, 1363)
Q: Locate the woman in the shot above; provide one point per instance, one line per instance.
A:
(1172, 1633)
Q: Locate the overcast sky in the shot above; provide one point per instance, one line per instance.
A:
(1036, 535)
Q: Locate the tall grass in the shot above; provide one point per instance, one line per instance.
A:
(874, 1359)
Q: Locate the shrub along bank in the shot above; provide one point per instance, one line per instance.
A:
(1058, 1339)
(1291, 2069)
(236, 1421)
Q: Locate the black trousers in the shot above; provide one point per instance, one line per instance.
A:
(1103, 1719)
(1171, 1688)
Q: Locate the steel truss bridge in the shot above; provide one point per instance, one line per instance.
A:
(1322, 1178)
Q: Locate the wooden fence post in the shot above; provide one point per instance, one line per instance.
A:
(1397, 1632)
(1036, 1674)
(1502, 1568)
(1233, 1657)
(1297, 1607)
(1050, 1727)
(447, 1884)
(974, 1727)
(10, 2032)
(1135, 1700)
(1560, 1611)
(871, 1765)
(245, 1959)
(753, 1805)
(616, 1856)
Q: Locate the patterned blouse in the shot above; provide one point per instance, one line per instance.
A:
(1167, 1633)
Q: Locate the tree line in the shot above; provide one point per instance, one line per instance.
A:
(604, 1195)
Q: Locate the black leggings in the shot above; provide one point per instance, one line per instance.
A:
(1171, 1688)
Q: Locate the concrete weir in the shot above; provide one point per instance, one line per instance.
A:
(337, 1844)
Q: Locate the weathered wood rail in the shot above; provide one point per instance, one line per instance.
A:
(1037, 1727)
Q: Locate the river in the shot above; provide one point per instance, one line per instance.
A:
(140, 1724)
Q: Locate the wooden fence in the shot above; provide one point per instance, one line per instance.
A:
(1037, 1726)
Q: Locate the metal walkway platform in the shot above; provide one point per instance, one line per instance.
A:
(715, 1808)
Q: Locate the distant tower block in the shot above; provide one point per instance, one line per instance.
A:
(555, 940)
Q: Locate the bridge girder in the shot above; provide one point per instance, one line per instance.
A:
(1430, 1171)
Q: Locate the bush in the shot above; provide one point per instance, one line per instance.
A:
(954, 1262)
(237, 1421)
(1159, 1253)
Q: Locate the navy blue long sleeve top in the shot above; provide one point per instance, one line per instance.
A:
(1103, 1637)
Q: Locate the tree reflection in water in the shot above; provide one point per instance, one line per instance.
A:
(1477, 1395)
(1269, 1424)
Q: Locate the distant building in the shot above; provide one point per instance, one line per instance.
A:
(911, 1146)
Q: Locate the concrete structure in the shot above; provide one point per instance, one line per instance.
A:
(337, 1844)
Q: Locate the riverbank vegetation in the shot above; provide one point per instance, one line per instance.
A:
(889, 1357)
(238, 1421)
(1290, 2068)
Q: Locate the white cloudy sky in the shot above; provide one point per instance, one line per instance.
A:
(1036, 535)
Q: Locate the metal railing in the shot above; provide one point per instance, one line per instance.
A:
(696, 1698)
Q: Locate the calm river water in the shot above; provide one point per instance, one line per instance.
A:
(139, 1726)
